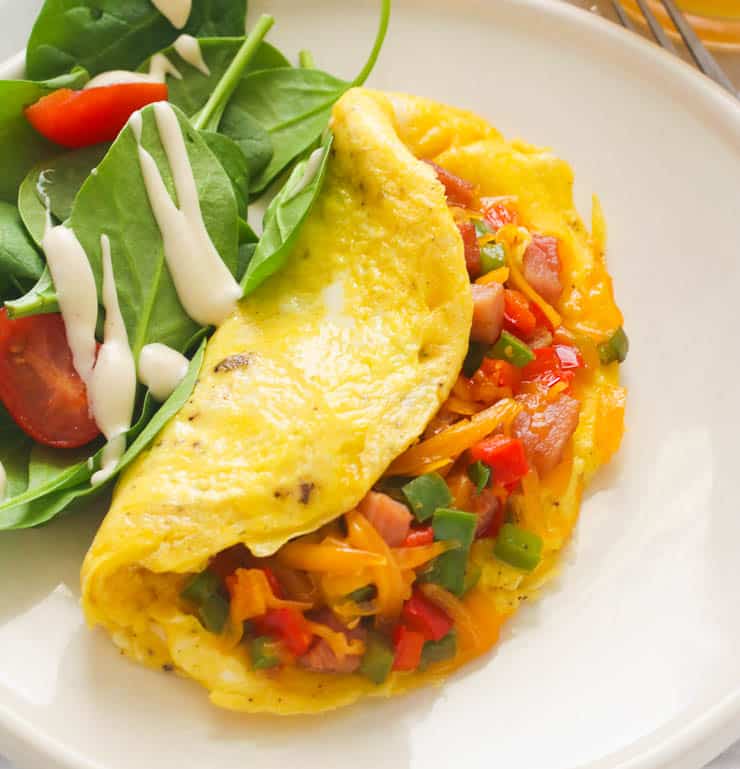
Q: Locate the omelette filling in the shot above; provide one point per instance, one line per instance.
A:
(390, 585)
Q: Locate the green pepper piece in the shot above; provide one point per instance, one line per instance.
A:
(201, 587)
(616, 348)
(363, 594)
(472, 577)
(511, 349)
(481, 228)
(426, 494)
(518, 547)
(492, 257)
(438, 651)
(474, 358)
(480, 474)
(448, 569)
(264, 653)
(213, 613)
(377, 661)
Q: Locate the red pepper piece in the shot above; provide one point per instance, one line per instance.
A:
(472, 249)
(505, 456)
(518, 316)
(408, 645)
(420, 614)
(419, 537)
(287, 625)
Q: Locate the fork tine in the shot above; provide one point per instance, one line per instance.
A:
(704, 60)
(624, 19)
(656, 27)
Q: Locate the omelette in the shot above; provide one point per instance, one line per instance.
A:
(388, 441)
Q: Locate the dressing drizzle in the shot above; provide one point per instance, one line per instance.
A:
(177, 12)
(205, 287)
(161, 369)
(189, 50)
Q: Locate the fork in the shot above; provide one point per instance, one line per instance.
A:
(704, 60)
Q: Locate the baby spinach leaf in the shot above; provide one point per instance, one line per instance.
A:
(234, 162)
(253, 139)
(32, 211)
(292, 105)
(20, 145)
(20, 263)
(40, 300)
(109, 34)
(286, 215)
(44, 482)
(192, 92)
(114, 202)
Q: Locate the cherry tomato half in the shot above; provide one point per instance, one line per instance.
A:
(39, 385)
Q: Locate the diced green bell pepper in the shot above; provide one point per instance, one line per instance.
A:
(518, 547)
(426, 494)
(481, 228)
(616, 348)
(214, 612)
(511, 349)
(264, 653)
(438, 651)
(201, 587)
(377, 661)
(476, 352)
(448, 569)
(480, 474)
(363, 594)
(492, 257)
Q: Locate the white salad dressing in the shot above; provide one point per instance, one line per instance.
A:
(76, 292)
(313, 164)
(160, 66)
(207, 290)
(112, 386)
(177, 12)
(188, 49)
(161, 369)
(120, 77)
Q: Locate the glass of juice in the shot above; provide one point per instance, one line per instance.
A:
(716, 21)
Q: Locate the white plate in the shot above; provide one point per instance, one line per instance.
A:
(632, 659)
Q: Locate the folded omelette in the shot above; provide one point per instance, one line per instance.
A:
(388, 441)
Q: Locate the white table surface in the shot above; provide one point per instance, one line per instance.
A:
(13, 39)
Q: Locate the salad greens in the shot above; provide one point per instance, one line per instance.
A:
(255, 123)
(20, 146)
(101, 35)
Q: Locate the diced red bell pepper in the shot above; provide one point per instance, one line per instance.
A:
(289, 626)
(419, 537)
(547, 368)
(472, 249)
(505, 456)
(501, 373)
(421, 615)
(500, 214)
(81, 118)
(542, 320)
(272, 580)
(408, 645)
(518, 317)
(458, 191)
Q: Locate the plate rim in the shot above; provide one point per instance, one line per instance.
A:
(703, 737)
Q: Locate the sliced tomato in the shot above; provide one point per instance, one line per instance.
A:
(81, 118)
(458, 191)
(39, 385)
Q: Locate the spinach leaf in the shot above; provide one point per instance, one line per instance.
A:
(114, 202)
(292, 105)
(40, 300)
(46, 483)
(234, 162)
(192, 92)
(20, 263)
(286, 215)
(32, 211)
(20, 145)
(109, 34)
(253, 139)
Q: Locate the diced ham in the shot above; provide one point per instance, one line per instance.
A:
(472, 249)
(488, 312)
(487, 506)
(458, 191)
(391, 519)
(541, 264)
(545, 427)
(320, 658)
